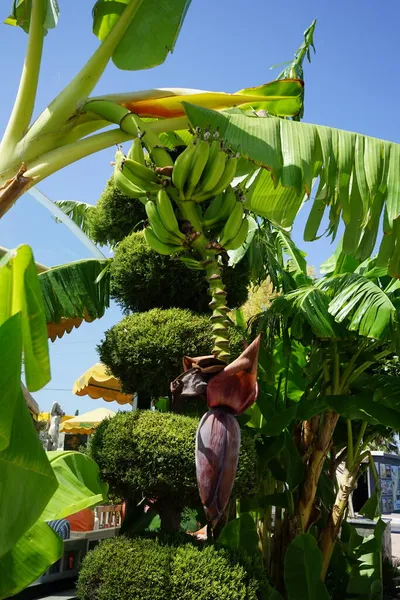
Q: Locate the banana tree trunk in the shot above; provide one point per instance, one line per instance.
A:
(332, 529)
(321, 445)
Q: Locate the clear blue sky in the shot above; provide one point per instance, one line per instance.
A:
(352, 83)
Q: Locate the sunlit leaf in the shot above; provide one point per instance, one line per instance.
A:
(151, 34)
(31, 556)
(21, 14)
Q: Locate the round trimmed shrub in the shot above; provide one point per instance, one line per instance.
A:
(142, 279)
(121, 569)
(114, 216)
(148, 569)
(151, 454)
(145, 350)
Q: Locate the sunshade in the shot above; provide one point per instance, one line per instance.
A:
(45, 416)
(96, 383)
(87, 422)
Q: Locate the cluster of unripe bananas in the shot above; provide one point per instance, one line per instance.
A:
(203, 171)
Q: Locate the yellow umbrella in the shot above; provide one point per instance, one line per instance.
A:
(87, 422)
(45, 416)
(96, 383)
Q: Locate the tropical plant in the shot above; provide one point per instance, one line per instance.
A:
(38, 488)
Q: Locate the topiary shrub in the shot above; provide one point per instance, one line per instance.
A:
(142, 279)
(151, 454)
(114, 216)
(145, 350)
(147, 569)
(122, 569)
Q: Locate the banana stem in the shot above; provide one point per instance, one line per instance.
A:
(76, 92)
(26, 96)
(133, 125)
(218, 304)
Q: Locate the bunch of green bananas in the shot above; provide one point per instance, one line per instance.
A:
(163, 233)
(131, 174)
(236, 228)
(203, 170)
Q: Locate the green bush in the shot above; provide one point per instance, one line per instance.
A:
(145, 350)
(114, 216)
(142, 279)
(146, 569)
(120, 569)
(152, 454)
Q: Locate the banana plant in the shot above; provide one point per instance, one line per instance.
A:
(65, 130)
(39, 487)
(321, 399)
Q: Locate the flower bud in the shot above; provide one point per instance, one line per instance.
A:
(217, 453)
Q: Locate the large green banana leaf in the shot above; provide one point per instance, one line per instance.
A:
(79, 487)
(78, 212)
(359, 177)
(151, 34)
(29, 558)
(74, 292)
(24, 469)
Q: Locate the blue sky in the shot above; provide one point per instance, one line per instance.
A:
(351, 84)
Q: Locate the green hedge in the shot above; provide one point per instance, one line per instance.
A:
(142, 279)
(147, 569)
(145, 350)
(114, 216)
(152, 454)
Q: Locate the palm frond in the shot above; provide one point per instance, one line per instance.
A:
(359, 177)
(366, 308)
(78, 212)
(74, 293)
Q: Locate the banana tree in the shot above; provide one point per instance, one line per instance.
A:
(63, 132)
(38, 488)
(321, 400)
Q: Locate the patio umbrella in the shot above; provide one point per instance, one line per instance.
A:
(96, 383)
(86, 423)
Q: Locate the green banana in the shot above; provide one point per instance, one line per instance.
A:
(225, 180)
(167, 214)
(145, 184)
(233, 224)
(181, 169)
(141, 171)
(211, 176)
(136, 152)
(126, 187)
(227, 206)
(155, 243)
(209, 217)
(119, 158)
(191, 263)
(240, 237)
(158, 227)
(197, 167)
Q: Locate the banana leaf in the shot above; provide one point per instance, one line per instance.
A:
(26, 478)
(359, 176)
(303, 564)
(21, 14)
(151, 34)
(73, 293)
(78, 212)
(29, 558)
(79, 487)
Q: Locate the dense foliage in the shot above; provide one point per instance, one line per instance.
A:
(145, 350)
(147, 569)
(151, 454)
(114, 216)
(142, 279)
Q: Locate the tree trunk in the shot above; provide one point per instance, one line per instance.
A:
(332, 529)
(314, 468)
(170, 517)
